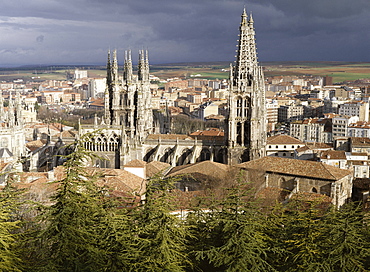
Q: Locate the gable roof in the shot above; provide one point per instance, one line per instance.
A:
(136, 163)
(310, 169)
(154, 167)
(333, 155)
(283, 139)
(204, 168)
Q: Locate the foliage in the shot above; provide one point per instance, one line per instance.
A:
(241, 243)
(346, 248)
(74, 224)
(161, 235)
(9, 255)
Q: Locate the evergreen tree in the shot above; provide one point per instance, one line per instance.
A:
(70, 239)
(9, 255)
(203, 230)
(345, 245)
(161, 235)
(242, 242)
(303, 236)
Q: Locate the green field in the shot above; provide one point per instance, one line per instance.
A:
(340, 71)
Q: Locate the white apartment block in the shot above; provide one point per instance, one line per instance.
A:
(359, 129)
(360, 109)
(290, 113)
(340, 125)
(96, 87)
(312, 130)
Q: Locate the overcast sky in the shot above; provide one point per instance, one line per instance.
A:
(81, 31)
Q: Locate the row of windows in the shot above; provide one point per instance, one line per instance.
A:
(284, 146)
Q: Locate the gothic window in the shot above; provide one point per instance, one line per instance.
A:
(185, 157)
(239, 105)
(126, 100)
(245, 108)
(121, 100)
(205, 155)
(239, 133)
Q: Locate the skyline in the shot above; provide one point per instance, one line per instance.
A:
(44, 32)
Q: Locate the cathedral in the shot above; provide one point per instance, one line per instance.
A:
(129, 129)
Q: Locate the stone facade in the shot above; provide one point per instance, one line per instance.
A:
(127, 130)
(246, 122)
(294, 176)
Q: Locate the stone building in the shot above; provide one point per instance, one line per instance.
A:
(246, 121)
(12, 133)
(127, 130)
(293, 176)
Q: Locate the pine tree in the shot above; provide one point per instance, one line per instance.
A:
(70, 239)
(303, 236)
(161, 235)
(345, 245)
(9, 255)
(242, 242)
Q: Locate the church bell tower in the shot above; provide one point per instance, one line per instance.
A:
(246, 121)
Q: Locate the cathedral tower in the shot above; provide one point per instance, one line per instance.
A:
(246, 121)
(128, 97)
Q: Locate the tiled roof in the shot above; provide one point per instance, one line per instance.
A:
(204, 168)
(154, 167)
(315, 145)
(208, 132)
(283, 139)
(136, 163)
(35, 145)
(363, 141)
(294, 167)
(333, 155)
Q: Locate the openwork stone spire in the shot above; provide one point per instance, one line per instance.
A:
(246, 130)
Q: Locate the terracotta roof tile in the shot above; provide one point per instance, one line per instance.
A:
(154, 167)
(296, 167)
(136, 163)
(205, 168)
(333, 155)
(283, 139)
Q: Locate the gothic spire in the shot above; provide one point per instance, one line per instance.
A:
(143, 72)
(109, 69)
(246, 54)
(127, 70)
(114, 67)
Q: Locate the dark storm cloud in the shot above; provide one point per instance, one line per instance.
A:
(174, 31)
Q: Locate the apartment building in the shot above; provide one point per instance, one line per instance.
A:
(289, 113)
(360, 109)
(340, 125)
(312, 130)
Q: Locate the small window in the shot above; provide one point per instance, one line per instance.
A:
(284, 154)
(284, 146)
(277, 147)
(314, 190)
(269, 146)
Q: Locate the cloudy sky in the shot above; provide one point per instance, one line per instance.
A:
(81, 31)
